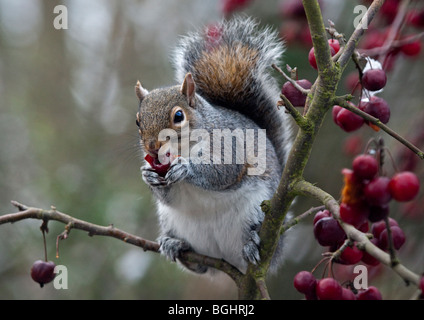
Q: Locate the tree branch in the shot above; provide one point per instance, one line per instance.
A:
(26, 212)
(318, 35)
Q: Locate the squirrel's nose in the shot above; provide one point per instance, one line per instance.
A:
(153, 147)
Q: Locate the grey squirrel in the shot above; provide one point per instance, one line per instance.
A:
(213, 208)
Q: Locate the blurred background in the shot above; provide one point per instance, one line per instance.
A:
(68, 138)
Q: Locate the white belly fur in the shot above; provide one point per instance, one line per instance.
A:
(212, 222)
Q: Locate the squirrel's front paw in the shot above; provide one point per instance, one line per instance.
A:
(177, 171)
(152, 178)
(251, 248)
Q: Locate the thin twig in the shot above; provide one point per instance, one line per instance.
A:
(293, 82)
(394, 45)
(286, 226)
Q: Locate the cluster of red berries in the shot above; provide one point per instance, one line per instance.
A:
(372, 80)
(330, 289)
(366, 194)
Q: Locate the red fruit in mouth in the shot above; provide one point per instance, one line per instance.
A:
(355, 214)
(43, 272)
(160, 169)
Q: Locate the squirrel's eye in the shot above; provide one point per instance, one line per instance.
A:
(137, 123)
(179, 116)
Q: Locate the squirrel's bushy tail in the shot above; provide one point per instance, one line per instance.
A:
(230, 63)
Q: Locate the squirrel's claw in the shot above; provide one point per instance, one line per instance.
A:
(251, 248)
(177, 171)
(152, 178)
(172, 247)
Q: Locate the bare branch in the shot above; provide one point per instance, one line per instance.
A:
(26, 212)
(286, 226)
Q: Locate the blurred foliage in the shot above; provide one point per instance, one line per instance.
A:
(68, 138)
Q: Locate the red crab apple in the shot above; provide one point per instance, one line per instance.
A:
(329, 289)
(305, 282)
(376, 107)
(374, 79)
(312, 59)
(334, 43)
(347, 120)
(372, 293)
(398, 237)
(377, 191)
(296, 97)
(404, 186)
(43, 272)
(328, 232)
(365, 166)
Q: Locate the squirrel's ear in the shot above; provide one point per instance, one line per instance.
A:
(188, 88)
(140, 91)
